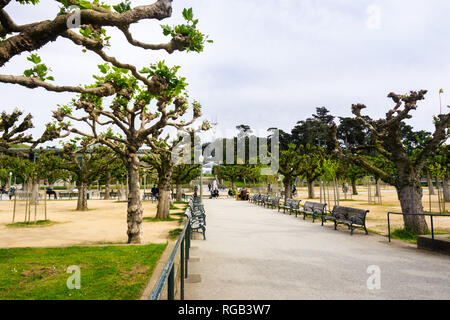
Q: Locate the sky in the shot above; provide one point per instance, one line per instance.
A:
(273, 62)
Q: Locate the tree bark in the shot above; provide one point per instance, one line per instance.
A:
(35, 193)
(355, 191)
(107, 185)
(134, 211)
(311, 194)
(446, 189)
(179, 191)
(165, 179)
(430, 183)
(287, 189)
(410, 197)
(82, 197)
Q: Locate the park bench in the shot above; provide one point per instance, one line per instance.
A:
(274, 202)
(352, 217)
(149, 196)
(254, 198)
(313, 209)
(262, 201)
(290, 204)
(69, 195)
(111, 194)
(197, 216)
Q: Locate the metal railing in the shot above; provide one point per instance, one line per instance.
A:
(431, 215)
(168, 275)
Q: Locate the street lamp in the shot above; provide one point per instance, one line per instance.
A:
(201, 159)
(10, 176)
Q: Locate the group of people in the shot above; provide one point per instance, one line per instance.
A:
(214, 189)
(10, 191)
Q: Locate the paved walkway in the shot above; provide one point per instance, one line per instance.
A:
(256, 253)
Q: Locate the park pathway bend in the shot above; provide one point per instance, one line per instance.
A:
(257, 253)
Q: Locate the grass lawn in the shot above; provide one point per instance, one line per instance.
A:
(111, 272)
(39, 223)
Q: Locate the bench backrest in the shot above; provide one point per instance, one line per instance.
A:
(314, 206)
(276, 200)
(294, 204)
(346, 213)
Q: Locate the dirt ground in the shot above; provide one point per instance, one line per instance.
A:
(377, 217)
(105, 222)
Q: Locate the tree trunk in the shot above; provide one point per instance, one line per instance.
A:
(134, 211)
(446, 189)
(108, 185)
(82, 197)
(430, 183)
(165, 179)
(179, 191)
(311, 194)
(233, 187)
(410, 197)
(377, 187)
(287, 189)
(355, 191)
(35, 193)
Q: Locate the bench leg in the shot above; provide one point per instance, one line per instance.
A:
(351, 229)
(335, 225)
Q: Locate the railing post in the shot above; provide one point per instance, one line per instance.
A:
(171, 284)
(182, 270)
(389, 227)
(432, 228)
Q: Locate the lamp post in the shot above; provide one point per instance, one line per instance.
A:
(10, 176)
(201, 159)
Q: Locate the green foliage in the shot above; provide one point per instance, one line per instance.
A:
(175, 84)
(197, 39)
(123, 7)
(40, 70)
(33, 2)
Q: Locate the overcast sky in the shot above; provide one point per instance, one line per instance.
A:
(273, 61)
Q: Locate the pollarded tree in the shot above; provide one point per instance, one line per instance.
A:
(162, 159)
(311, 167)
(183, 174)
(144, 102)
(290, 166)
(14, 132)
(387, 141)
(85, 162)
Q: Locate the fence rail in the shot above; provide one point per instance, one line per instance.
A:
(431, 215)
(168, 275)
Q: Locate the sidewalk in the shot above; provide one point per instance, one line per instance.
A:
(256, 253)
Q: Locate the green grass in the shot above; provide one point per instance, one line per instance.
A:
(411, 237)
(153, 219)
(39, 223)
(107, 273)
(181, 202)
(405, 235)
(173, 235)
